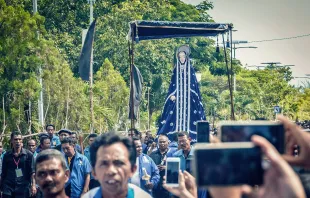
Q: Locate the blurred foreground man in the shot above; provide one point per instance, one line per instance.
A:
(51, 173)
(113, 159)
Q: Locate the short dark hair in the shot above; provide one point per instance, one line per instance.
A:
(15, 133)
(43, 138)
(49, 125)
(64, 131)
(136, 132)
(68, 140)
(107, 139)
(92, 135)
(163, 135)
(50, 154)
(183, 133)
(73, 132)
(136, 139)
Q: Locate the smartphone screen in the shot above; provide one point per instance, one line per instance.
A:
(274, 133)
(172, 176)
(228, 167)
(203, 131)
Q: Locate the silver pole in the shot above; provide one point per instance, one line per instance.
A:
(40, 100)
(91, 13)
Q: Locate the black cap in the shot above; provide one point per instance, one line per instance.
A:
(64, 131)
(43, 134)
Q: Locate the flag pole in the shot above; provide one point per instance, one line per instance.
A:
(91, 72)
(132, 119)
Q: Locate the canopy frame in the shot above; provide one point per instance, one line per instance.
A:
(149, 30)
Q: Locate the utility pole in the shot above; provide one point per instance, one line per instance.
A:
(40, 101)
(91, 2)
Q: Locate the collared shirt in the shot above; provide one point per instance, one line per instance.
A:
(87, 152)
(80, 169)
(10, 182)
(146, 162)
(183, 159)
(133, 192)
(160, 159)
(55, 141)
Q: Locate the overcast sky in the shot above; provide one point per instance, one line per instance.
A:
(268, 19)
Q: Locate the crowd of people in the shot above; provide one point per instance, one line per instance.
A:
(117, 166)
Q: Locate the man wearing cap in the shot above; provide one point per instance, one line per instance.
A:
(50, 129)
(63, 133)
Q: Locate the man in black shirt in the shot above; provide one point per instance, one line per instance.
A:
(17, 174)
(159, 157)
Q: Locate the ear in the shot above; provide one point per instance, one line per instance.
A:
(67, 175)
(93, 173)
(133, 170)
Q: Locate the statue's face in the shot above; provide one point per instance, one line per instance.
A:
(182, 57)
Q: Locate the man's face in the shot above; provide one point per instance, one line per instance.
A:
(46, 144)
(51, 177)
(73, 137)
(50, 130)
(162, 143)
(113, 169)
(91, 140)
(184, 143)
(17, 141)
(68, 149)
(63, 135)
(146, 139)
(138, 147)
(32, 146)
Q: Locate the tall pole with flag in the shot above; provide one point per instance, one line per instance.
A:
(86, 65)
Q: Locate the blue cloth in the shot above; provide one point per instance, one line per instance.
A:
(183, 106)
(87, 153)
(173, 145)
(180, 155)
(130, 193)
(146, 162)
(81, 167)
(55, 141)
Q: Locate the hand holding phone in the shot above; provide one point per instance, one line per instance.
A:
(227, 164)
(172, 171)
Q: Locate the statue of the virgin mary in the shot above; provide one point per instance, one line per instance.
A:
(183, 107)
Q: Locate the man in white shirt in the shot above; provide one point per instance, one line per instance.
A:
(113, 159)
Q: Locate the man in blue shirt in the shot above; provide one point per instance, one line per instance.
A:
(145, 168)
(79, 170)
(91, 138)
(186, 154)
(50, 129)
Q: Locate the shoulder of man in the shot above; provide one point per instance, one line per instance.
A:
(91, 193)
(138, 192)
(177, 153)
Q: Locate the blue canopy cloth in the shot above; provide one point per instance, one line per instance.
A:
(146, 30)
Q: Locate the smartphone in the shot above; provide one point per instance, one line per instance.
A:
(203, 131)
(172, 171)
(243, 131)
(227, 164)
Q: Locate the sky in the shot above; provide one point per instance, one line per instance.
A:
(258, 20)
